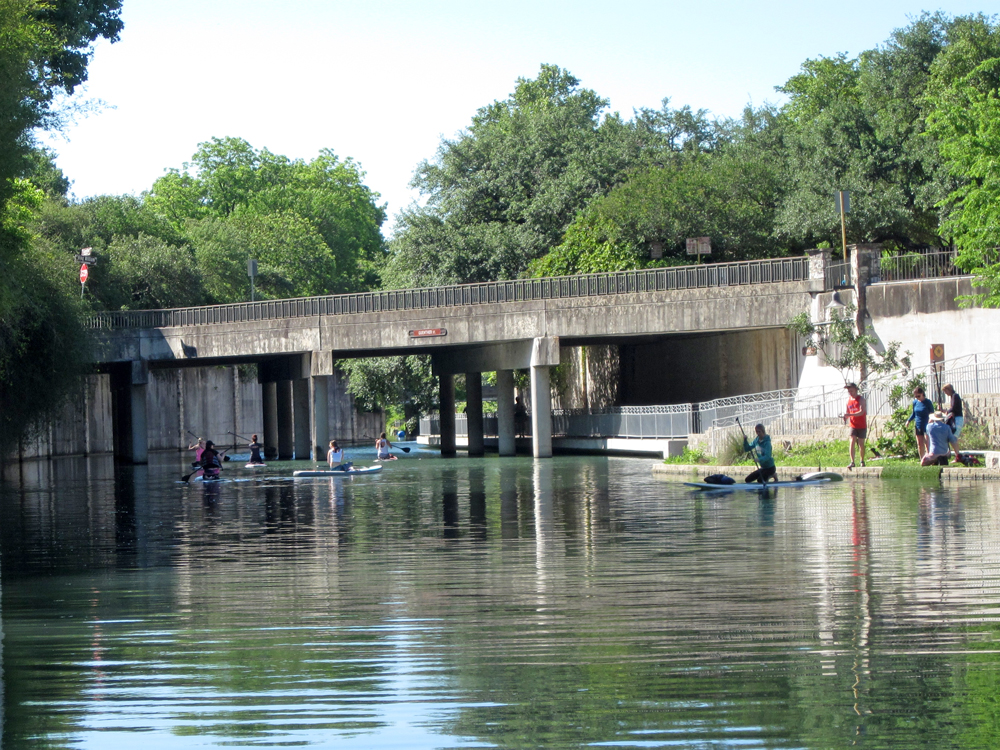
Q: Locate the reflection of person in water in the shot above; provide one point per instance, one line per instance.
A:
(520, 417)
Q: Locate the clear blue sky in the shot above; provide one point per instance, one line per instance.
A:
(383, 82)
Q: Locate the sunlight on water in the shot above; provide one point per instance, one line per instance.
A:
(572, 602)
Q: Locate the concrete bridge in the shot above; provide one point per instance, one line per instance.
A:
(472, 328)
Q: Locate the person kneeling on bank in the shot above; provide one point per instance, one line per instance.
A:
(761, 448)
(939, 438)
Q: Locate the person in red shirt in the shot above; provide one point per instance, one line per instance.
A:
(857, 417)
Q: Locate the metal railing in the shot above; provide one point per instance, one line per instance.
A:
(914, 266)
(796, 411)
(839, 275)
(668, 421)
(702, 276)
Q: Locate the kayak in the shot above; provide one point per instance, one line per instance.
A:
(757, 485)
(329, 473)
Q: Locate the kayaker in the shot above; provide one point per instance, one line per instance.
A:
(761, 448)
(923, 407)
(857, 417)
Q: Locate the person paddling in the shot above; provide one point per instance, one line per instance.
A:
(761, 448)
(255, 451)
(211, 461)
(382, 446)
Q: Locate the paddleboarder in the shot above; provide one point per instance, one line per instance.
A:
(211, 461)
(255, 447)
(761, 448)
(335, 458)
(382, 446)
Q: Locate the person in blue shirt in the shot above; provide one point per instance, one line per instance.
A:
(939, 437)
(761, 448)
(923, 407)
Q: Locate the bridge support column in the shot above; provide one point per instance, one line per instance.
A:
(286, 422)
(505, 413)
(139, 453)
(269, 396)
(541, 413)
(544, 353)
(301, 408)
(320, 394)
(446, 395)
(474, 411)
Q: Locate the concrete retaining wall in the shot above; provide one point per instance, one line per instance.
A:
(208, 401)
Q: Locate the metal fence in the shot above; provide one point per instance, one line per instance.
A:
(839, 275)
(669, 421)
(913, 266)
(796, 411)
(519, 290)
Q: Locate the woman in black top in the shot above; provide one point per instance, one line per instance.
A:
(954, 414)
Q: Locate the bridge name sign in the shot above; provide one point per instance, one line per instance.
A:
(424, 332)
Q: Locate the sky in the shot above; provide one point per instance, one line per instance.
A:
(384, 82)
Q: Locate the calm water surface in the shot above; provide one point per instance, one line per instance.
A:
(571, 602)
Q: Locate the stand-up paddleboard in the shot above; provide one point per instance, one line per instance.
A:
(831, 475)
(329, 473)
(255, 466)
(755, 485)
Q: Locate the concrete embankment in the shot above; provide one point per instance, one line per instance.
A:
(697, 472)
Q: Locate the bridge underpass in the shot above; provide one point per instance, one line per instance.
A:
(467, 329)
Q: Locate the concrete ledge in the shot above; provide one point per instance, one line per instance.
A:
(660, 447)
(969, 474)
(784, 472)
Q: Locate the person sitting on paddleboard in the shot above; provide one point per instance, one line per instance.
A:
(761, 448)
(335, 457)
(382, 445)
(211, 461)
(255, 451)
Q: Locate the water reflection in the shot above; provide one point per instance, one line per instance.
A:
(519, 603)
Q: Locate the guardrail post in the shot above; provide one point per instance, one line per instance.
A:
(474, 412)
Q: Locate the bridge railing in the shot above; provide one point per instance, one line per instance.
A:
(913, 266)
(518, 290)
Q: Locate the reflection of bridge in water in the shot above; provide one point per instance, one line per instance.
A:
(470, 329)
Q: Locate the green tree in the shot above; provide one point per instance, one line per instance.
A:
(965, 97)
(44, 48)
(504, 190)
(729, 194)
(385, 382)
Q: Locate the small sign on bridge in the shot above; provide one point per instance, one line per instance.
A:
(427, 332)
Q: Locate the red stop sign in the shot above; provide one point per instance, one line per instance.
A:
(84, 273)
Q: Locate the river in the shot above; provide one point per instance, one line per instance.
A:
(570, 602)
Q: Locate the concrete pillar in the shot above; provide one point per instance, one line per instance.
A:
(320, 395)
(541, 413)
(139, 453)
(474, 411)
(286, 422)
(301, 409)
(446, 395)
(269, 396)
(505, 412)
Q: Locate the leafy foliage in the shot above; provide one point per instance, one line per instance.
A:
(854, 354)
(965, 96)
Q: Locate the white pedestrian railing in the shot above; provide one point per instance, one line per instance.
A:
(795, 411)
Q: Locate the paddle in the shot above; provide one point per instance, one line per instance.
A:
(752, 454)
